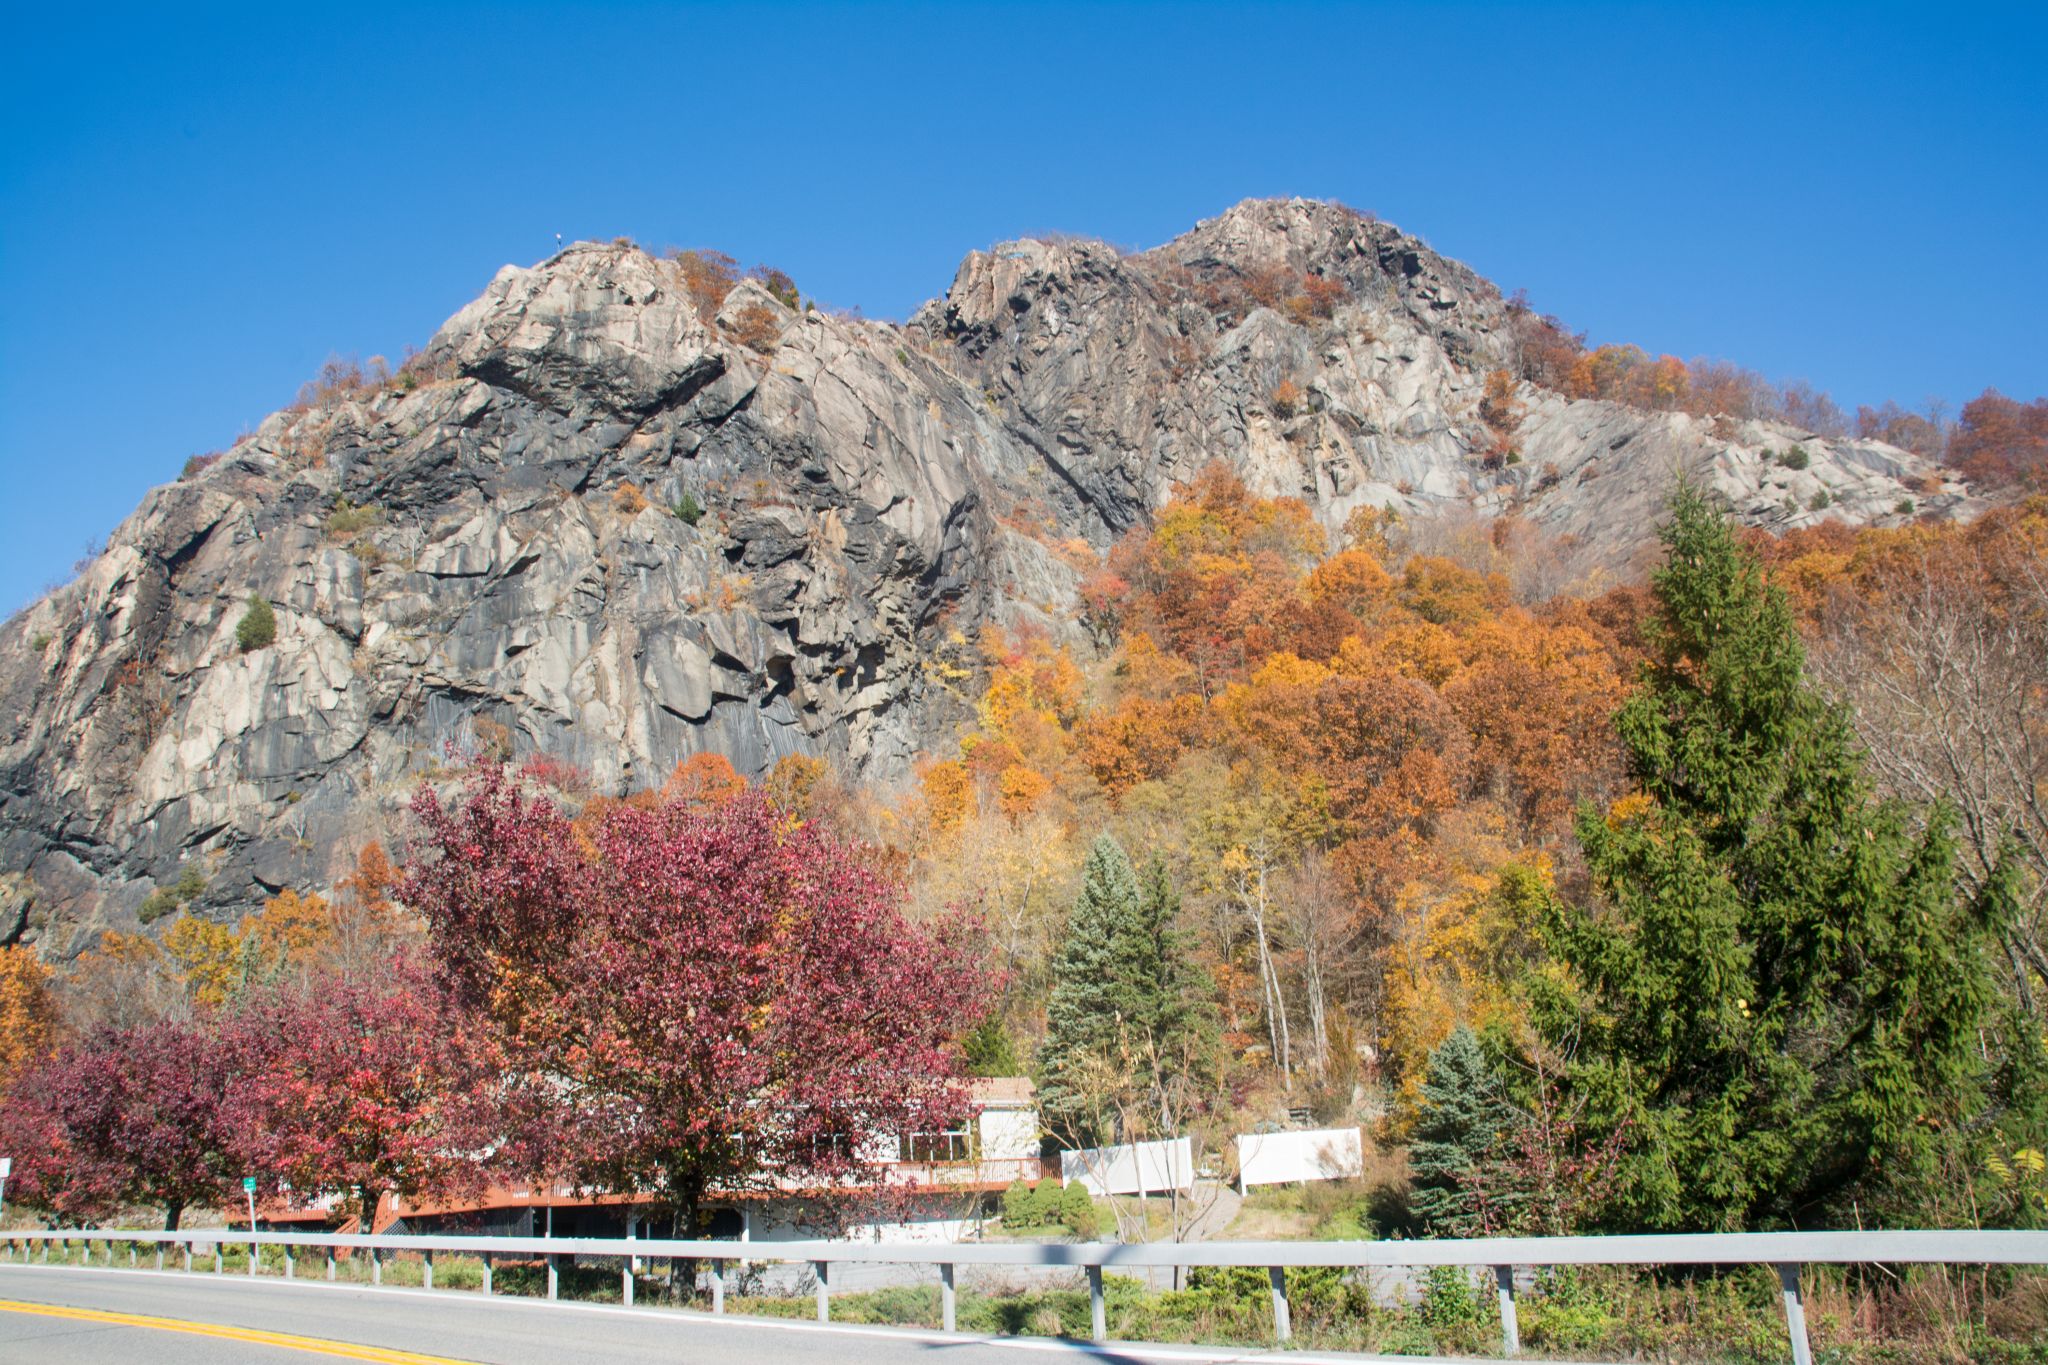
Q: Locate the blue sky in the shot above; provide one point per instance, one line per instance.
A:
(198, 205)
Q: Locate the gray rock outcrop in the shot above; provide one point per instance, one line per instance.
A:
(493, 554)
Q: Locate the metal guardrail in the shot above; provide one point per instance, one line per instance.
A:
(1789, 1252)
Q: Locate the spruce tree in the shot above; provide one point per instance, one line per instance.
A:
(987, 1049)
(1093, 994)
(1127, 1021)
(1462, 1114)
(1779, 993)
(1179, 1026)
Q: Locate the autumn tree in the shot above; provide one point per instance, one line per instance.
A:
(121, 981)
(28, 1010)
(358, 1090)
(2002, 442)
(703, 780)
(682, 997)
(120, 1117)
(1779, 988)
(207, 958)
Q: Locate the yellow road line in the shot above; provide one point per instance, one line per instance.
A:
(342, 1349)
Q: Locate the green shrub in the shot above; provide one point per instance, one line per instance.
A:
(1457, 1313)
(258, 626)
(687, 509)
(1077, 1211)
(1904, 507)
(168, 900)
(1045, 1203)
(1821, 500)
(1017, 1204)
(1567, 1312)
(1795, 458)
(39, 642)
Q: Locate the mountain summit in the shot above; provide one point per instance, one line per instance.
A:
(624, 509)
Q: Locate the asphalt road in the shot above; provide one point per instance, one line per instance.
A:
(117, 1317)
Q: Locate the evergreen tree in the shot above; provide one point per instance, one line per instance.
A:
(1779, 996)
(1127, 1024)
(1462, 1114)
(1178, 1024)
(1094, 994)
(988, 1049)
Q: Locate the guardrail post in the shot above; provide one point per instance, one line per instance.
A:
(554, 1277)
(427, 1268)
(1795, 1315)
(290, 1270)
(1283, 1324)
(330, 1263)
(1098, 1322)
(376, 1266)
(1510, 1330)
(254, 1252)
(824, 1271)
(487, 1274)
(187, 1247)
(718, 1286)
(946, 1305)
(132, 1256)
(159, 1255)
(218, 1266)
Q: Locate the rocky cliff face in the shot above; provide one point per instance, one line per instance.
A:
(486, 556)
(1126, 373)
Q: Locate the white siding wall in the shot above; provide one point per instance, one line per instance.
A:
(1284, 1158)
(1131, 1168)
(1009, 1134)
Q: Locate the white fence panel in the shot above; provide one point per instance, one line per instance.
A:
(1286, 1158)
(1131, 1167)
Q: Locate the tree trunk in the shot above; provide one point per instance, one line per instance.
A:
(1318, 1007)
(172, 1213)
(1276, 1003)
(686, 1199)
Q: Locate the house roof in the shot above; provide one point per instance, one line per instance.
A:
(1006, 1092)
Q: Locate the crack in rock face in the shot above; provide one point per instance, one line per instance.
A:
(590, 523)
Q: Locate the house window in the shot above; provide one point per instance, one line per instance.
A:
(951, 1145)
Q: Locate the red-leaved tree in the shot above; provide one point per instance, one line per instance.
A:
(122, 1117)
(688, 998)
(358, 1089)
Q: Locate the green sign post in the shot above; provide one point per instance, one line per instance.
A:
(249, 1189)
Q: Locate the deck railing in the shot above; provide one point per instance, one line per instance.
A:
(1788, 1252)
